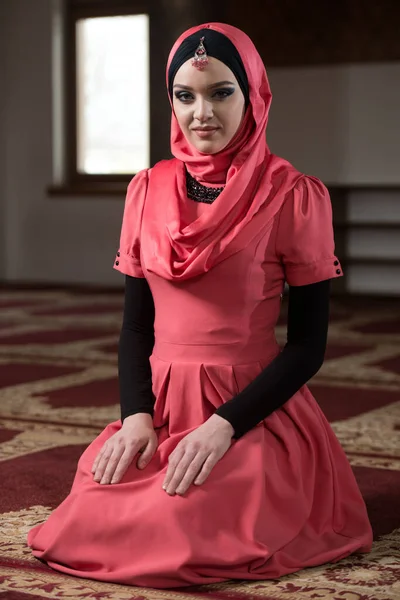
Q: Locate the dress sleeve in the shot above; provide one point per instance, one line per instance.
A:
(127, 260)
(305, 240)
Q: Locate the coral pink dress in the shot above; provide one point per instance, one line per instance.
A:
(283, 497)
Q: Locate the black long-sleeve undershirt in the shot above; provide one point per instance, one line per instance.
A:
(300, 359)
(135, 346)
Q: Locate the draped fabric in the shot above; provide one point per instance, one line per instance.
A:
(256, 182)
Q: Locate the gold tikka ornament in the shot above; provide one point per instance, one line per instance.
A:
(200, 59)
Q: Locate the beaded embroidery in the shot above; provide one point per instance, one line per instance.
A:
(199, 192)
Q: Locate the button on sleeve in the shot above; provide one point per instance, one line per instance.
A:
(305, 238)
(128, 256)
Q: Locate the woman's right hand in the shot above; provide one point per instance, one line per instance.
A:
(136, 435)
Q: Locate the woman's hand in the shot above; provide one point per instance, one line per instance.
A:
(197, 454)
(136, 435)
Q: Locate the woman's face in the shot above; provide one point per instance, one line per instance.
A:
(209, 105)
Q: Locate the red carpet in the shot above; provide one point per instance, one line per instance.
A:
(58, 388)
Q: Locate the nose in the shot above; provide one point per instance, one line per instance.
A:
(203, 110)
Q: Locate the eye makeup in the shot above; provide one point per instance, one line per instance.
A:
(220, 94)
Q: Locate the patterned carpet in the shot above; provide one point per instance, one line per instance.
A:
(58, 389)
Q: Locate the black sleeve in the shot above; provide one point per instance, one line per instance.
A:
(135, 346)
(300, 359)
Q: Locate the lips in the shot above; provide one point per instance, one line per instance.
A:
(205, 132)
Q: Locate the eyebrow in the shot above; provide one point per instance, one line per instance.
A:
(213, 85)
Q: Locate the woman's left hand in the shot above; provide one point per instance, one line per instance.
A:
(196, 455)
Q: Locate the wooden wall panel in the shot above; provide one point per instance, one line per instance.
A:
(316, 32)
(286, 32)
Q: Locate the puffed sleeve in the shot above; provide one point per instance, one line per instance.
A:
(127, 260)
(305, 240)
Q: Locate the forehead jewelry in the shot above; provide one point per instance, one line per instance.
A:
(200, 59)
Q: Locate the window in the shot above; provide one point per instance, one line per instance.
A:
(101, 114)
(112, 95)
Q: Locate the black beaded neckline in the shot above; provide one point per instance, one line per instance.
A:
(199, 192)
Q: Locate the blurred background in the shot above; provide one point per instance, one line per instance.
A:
(84, 106)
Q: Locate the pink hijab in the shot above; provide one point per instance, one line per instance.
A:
(256, 183)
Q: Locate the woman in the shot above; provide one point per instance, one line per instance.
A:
(240, 475)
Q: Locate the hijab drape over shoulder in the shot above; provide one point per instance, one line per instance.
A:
(256, 182)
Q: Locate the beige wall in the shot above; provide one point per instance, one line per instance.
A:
(339, 123)
(342, 124)
(48, 239)
(2, 146)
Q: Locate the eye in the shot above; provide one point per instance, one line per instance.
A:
(183, 96)
(223, 93)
